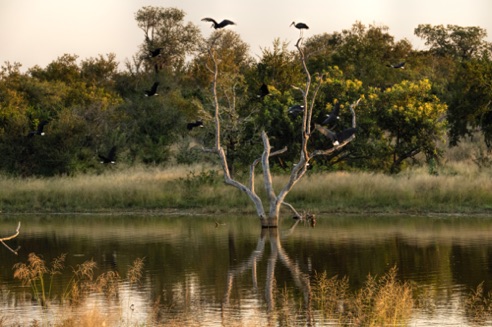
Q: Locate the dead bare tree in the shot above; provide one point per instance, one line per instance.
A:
(8, 238)
(309, 92)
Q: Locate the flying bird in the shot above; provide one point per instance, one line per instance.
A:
(156, 52)
(111, 158)
(39, 131)
(333, 116)
(197, 123)
(153, 90)
(346, 134)
(216, 25)
(295, 110)
(400, 65)
(263, 91)
(336, 138)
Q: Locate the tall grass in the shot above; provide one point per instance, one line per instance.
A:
(459, 186)
(37, 274)
(381, 301)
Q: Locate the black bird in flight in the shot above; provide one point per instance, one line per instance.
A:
(156, 52)
(336, 138)
(111, 158)
(39, 131)
(153, 90)
(295, 110)
(197, 123)
(216, 25)
(400, 65)
(346, 134)
(263, 91)
(333, 116)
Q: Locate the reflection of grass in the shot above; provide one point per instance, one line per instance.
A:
(35, 273)
(478, 306)
(453, 190)
(382, 301)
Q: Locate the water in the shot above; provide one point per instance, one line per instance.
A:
(210, 271)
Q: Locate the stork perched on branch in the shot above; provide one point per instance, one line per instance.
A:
(300, 26)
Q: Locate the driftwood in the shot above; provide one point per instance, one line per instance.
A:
(8, 238)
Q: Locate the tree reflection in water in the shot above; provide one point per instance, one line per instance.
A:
(277, 253)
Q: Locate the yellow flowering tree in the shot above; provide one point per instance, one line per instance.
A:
(410, 120)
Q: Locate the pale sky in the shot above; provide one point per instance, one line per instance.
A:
(36, 32)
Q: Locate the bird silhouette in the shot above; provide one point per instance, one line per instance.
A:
(39, 130)
(346, 134)
(295, 110)
(216, 25)
(153, 90)
(336, 138)
(333, 116)
(300, 26)
(111, 158)
(263, 91)
(400, 65)
(197, 123)
(155, 52)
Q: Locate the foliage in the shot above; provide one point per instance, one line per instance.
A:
(77, 113)
(455, 41)
(412, 123)
(470, 108)
(91, 104)
(166, 29)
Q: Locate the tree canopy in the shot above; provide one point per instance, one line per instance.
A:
(94, 104)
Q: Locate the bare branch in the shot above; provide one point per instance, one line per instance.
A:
(255, 163)
(218, 149)
(292, 208)
(266, 168)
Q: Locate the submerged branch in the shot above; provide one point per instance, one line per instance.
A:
(7, 238)
(292, 208)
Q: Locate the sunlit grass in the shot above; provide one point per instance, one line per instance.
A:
(458, 187)
(382, 301)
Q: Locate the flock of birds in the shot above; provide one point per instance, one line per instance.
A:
(295, 110)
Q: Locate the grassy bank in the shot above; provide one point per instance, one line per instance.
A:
(456, 189)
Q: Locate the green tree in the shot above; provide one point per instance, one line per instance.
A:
(231, 92)
(361, 52)
(409, 121)
(455, 41)
(77, 113)
(165, 28)
(279, 67)
(471, 106)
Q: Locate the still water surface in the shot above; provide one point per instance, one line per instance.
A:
(216, 270)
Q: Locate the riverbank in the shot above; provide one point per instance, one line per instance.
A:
(200, 189)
